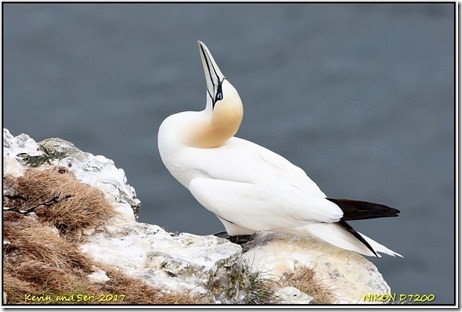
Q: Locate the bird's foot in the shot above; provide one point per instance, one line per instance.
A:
(236, 239)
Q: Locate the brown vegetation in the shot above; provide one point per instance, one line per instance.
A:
(305, 280)
(43, 265)
(41, 261)
(57, 198)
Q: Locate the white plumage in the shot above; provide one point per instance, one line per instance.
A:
(248, 187)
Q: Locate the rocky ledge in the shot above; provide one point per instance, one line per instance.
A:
(71, 236)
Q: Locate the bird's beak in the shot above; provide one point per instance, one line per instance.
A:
(213, 76)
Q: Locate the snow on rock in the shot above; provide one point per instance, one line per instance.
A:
(348, 275)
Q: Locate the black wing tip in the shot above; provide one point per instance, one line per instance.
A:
(358, 210)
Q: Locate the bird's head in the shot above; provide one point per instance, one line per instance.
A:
(224, 106)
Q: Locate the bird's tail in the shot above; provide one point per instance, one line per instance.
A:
(339, 235)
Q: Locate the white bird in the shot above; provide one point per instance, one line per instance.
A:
(248, 187)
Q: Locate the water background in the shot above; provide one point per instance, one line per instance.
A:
(360, 96)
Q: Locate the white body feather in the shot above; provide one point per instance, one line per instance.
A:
(248, 187)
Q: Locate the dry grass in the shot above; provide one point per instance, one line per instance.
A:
(37, 260)
(59, 199)
(41, 264)
(28, 239)
(305, 280)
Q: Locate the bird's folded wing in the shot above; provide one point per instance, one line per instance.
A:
(262, 207)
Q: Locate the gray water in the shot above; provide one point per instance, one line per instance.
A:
(360, 96)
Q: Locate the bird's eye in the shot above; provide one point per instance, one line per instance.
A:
(219, 95)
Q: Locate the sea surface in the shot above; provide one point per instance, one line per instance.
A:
(361, 96)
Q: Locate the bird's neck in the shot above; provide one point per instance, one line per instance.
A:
(217, 126)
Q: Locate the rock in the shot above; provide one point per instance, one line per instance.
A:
(22, 144)
(178, 263)
(12, 167)
(291, 295)
(348, 275)
(96, 171)
(98, 276)
(209, 266)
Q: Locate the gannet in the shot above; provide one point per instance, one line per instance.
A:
(248, 187)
